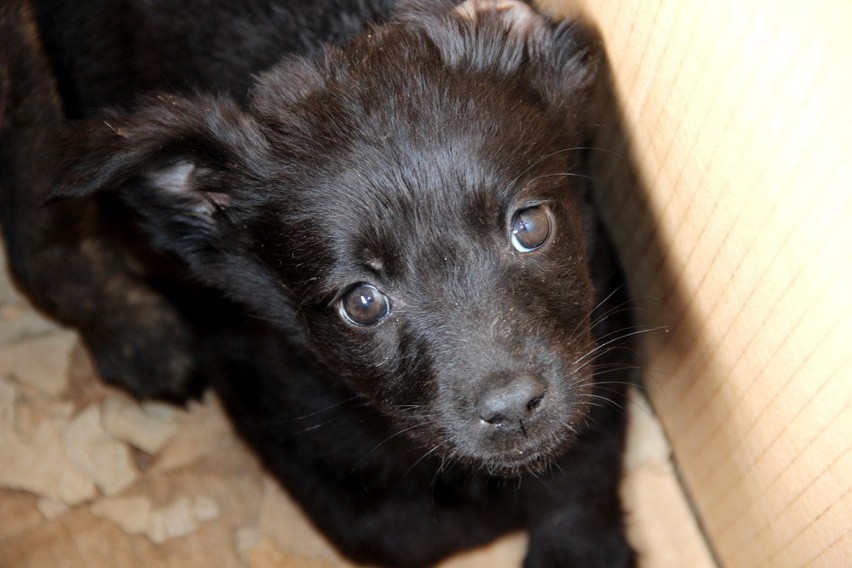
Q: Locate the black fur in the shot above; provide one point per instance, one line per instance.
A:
(209, 231)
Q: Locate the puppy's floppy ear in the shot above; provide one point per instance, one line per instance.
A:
(562, 60)
(184, 165)
(515, 16)
(570, 60)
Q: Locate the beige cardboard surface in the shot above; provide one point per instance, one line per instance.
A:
(736, 229)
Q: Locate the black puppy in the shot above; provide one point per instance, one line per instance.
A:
(406, 221)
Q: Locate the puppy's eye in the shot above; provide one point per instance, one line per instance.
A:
(364, 305)
(530, 228)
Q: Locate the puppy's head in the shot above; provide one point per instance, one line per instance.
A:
(408, 208)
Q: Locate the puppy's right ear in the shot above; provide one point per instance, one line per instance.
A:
(188, 167)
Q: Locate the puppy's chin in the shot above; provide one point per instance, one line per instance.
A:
(518, 462)
(510, 450)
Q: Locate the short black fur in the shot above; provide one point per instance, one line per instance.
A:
(231, 174)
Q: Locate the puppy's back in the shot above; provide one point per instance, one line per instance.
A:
(105, 52)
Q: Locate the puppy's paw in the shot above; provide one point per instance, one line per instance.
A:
(608, 549)
(150, 360)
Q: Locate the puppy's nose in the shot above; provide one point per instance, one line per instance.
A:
(511, 400)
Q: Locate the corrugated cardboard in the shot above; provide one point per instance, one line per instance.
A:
(730, 192)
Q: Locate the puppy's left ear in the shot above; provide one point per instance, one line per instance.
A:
(564, 61)
(561, 60)
(563, 57)
(188, 167)
(570, 59)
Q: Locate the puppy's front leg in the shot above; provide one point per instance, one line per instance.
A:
(58, 253)
(138, 339)
(575, 516)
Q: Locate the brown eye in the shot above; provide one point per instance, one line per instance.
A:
(530, 228)
(364, 305)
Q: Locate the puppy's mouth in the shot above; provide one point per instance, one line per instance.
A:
(514, 463)
(516, 425)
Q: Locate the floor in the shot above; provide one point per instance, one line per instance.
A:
(89, 478)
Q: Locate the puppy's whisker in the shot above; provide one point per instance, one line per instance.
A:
(447, 463)
(604, 401)
(423, 457)
(386, 440)
(618, 309)
(565, 174)
(617, 383)
(546, 157)
(312, 427)
(328, 408)
(273, 320)
(280, 423)
(616, 332)
(616, 339)
(597, 356)
(626, 348)
(570, 427)
(607, 402)
(605, 369)
(596, 350)
(581, 321)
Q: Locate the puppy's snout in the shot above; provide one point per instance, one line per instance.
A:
(510, 400)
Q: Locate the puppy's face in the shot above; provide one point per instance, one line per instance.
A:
(409, 208)
(449, 285)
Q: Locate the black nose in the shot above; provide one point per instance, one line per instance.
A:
(510, 400)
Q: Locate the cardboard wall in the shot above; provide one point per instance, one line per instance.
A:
(729, 188)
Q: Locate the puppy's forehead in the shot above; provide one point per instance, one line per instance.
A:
(412, 154)
(413, 218)
(436, 193)
(442, 146)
